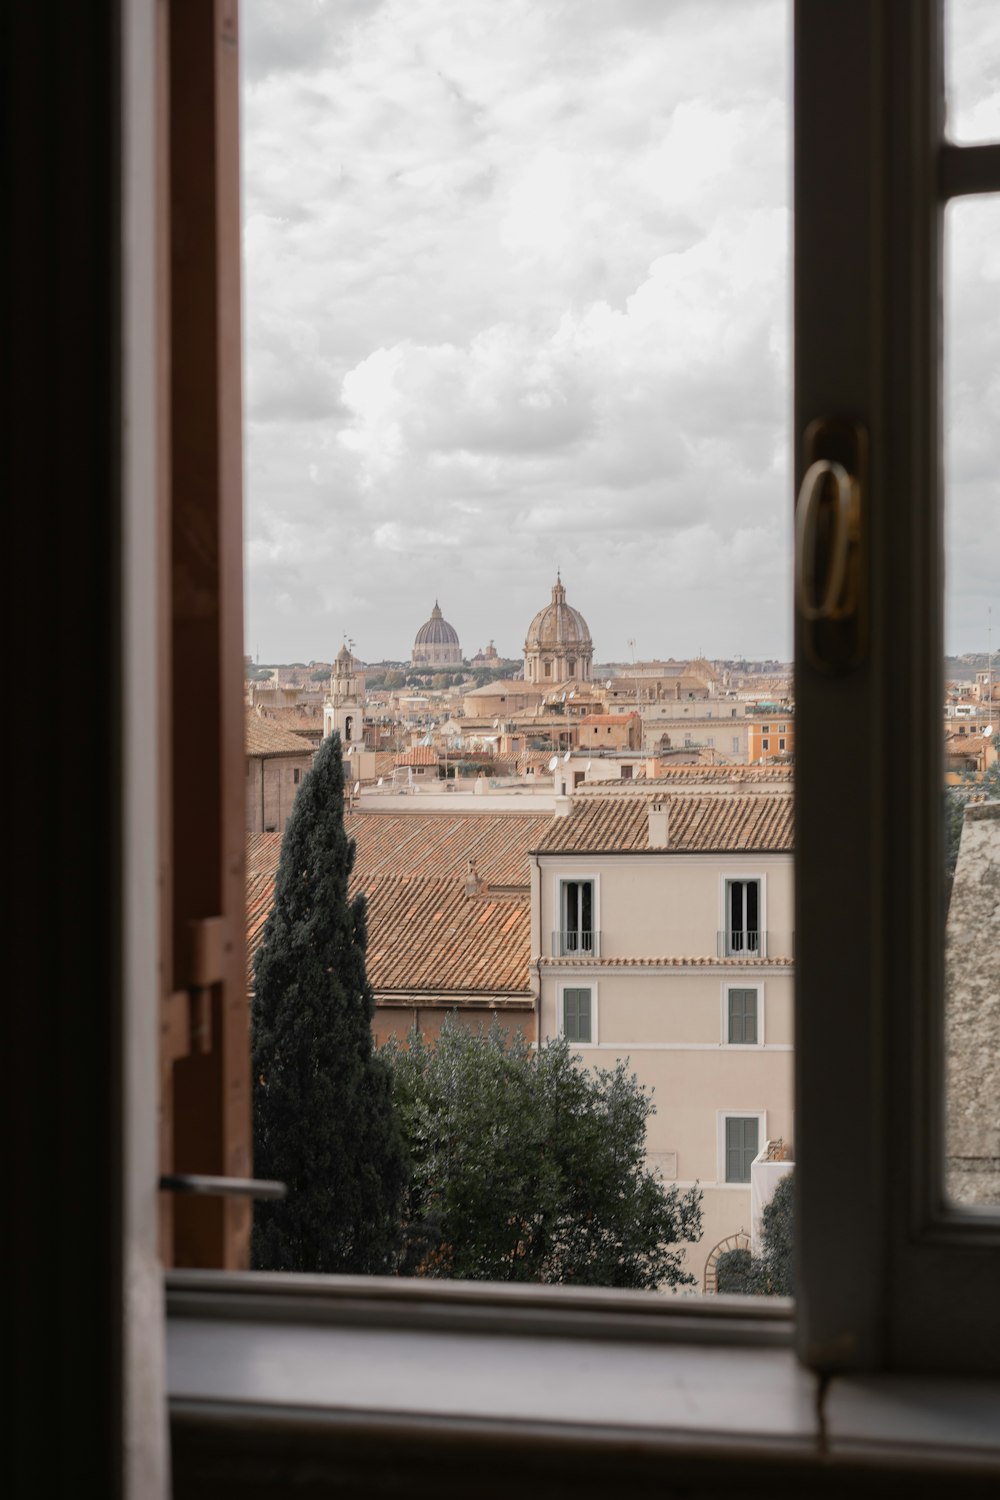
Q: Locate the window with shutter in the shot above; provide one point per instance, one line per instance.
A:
(577, 1014)
(742, 1029)
(742, 1136)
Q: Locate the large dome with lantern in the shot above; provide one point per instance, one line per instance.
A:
(558, 647)
(437, 643)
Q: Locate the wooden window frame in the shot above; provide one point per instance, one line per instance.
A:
(889, 1278)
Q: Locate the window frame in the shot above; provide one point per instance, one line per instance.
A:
(869, 204)
(723, 1116)
(757, 986)
(562, 880)
(562, 985)
(726, 880)
(893, 1283)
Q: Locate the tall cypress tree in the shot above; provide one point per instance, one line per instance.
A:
(324, 1120)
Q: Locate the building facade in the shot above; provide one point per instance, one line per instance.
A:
(277, 763)
(663, 936)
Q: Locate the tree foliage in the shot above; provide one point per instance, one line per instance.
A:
(323, 1117)
(527, 1167)
(772, 1272)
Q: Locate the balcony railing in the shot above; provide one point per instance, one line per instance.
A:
(576, 945)
(741, 943)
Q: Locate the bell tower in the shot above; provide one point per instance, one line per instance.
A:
(343, 709)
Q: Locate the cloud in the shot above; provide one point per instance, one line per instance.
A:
(517, 296)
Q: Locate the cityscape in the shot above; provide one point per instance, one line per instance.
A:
(595, 851)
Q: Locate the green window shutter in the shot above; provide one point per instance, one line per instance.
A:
(576, 1015)
(741, 1146)
(743, 1017)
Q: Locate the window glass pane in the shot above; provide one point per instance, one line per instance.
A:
(971, 710)
(972, 69)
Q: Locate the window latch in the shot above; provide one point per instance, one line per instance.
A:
(222, 1187)
(830, 550)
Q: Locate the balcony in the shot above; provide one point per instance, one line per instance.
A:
(741, 943)
(576, 945)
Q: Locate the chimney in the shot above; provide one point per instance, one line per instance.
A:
(659, 825)
(474, 885)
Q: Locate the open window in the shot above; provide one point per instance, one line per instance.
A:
(890, 1276)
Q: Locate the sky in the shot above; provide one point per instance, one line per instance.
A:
(516, 291)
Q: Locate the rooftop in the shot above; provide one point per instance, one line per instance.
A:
(264, 738)
(424, 931)
(618, 824)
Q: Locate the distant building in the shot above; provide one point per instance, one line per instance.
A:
(277, 762)
(558, 647)
(610, 732)
(437, 643)
(344, 707)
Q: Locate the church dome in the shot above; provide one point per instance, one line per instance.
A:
(558, 627)
(437, 631)
(437, 643)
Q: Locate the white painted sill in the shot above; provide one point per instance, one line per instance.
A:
(593, 1371)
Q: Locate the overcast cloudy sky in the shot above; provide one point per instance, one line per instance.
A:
(517, 294)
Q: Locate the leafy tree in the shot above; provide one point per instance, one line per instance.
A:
(527, 1167)
(393, 679)
(772, 1272)
(323, 1116)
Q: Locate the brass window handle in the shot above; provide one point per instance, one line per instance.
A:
(834, 599)
(829, 545)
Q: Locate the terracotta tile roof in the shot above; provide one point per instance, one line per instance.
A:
(264, 738)
(424, 933)
(429, 935)
(720, 772)
(709, 824)
(417, 755)
(263, 853)
(442, 843)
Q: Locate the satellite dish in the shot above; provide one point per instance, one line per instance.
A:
(589, 766)
(987, 732)
(553, 762)
(573, 693)
(567, 755)
(379, 782)
(608, 683)
(357, 787)
(563, 698)
(350, 750)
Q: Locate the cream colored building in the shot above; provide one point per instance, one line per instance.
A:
(557, 647)
(663, 935)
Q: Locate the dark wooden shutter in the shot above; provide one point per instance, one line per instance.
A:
(205, 1063)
